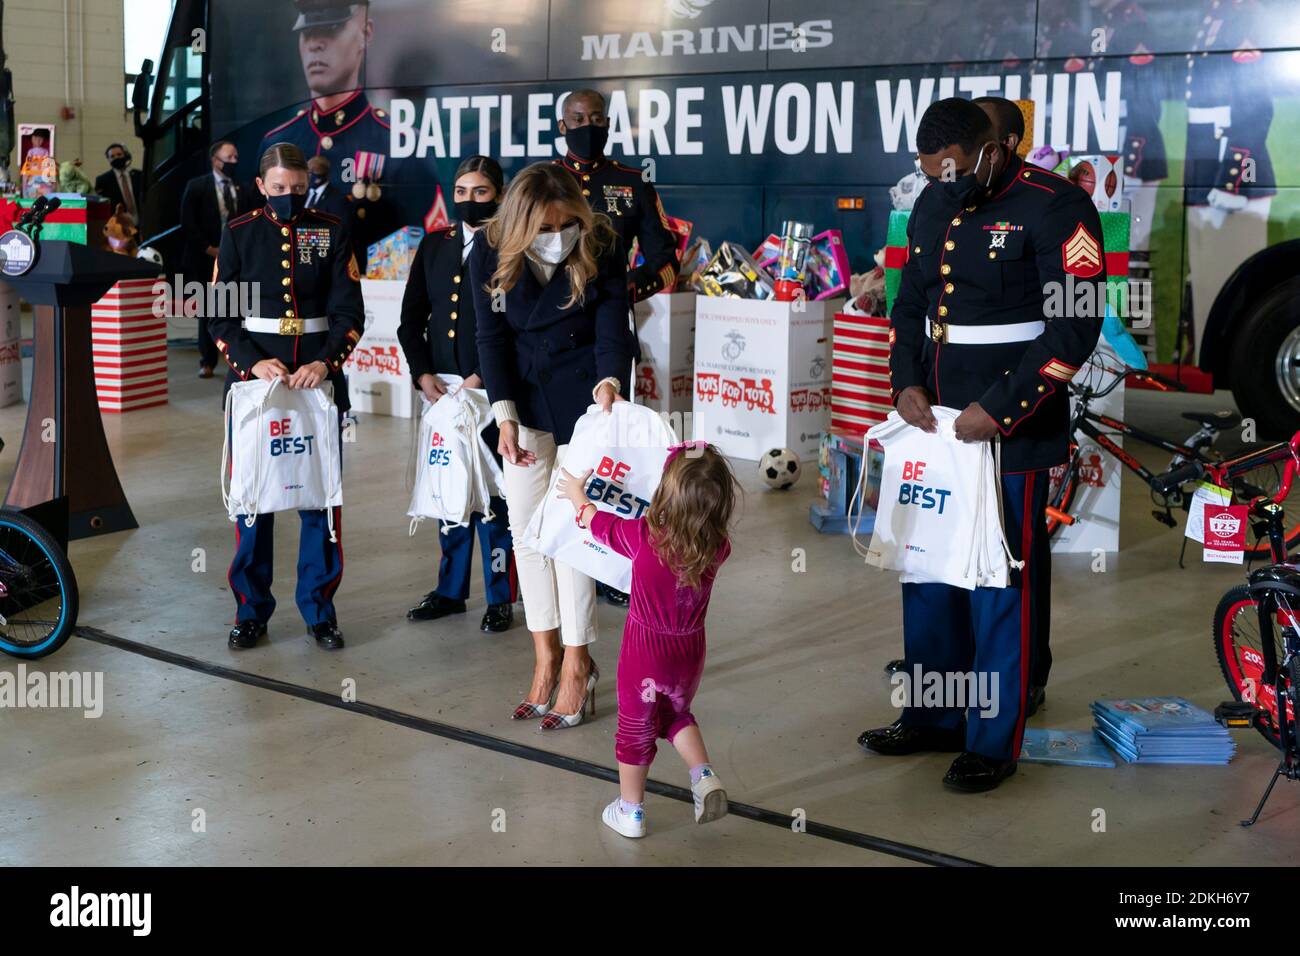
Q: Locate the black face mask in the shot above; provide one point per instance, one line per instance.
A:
(287, 205)
(587, 142)
(315, 181)
(476, 213)
(120, 162)
(230, 168)
(963, 189)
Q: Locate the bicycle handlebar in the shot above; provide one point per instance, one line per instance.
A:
(1176, 477)
(1159, 381)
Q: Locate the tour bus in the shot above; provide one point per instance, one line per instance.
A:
(749, 113)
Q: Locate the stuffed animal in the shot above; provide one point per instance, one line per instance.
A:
(121, 232)
(73, 180)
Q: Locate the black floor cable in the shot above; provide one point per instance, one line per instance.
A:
(487, 742)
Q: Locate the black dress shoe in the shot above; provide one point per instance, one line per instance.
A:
(1036, 697)
(975, 773)
(894, 666)
(433, 607)
(898, 740)
(497, 618)
(327, 634)
(613, 595)
(245, 634)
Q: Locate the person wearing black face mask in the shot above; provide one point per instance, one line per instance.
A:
(632, 205)
(208, 203)
(121, 184)
(306, 320)
(991, 242)
(619, 192)
(321, 193)
(437, 333)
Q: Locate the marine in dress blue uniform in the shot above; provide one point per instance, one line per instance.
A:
(306, 275)
(971, 326)
(437, 333)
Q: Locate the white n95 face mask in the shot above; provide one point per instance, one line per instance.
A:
(554, 247)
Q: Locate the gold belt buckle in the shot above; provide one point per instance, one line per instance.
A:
(291, 326)
(938, 331)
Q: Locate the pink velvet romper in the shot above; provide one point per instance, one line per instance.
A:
(662, 657)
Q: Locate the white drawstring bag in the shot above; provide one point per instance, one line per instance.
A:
(940, 512)
(281, 451)
(455, 473)
(626, 450)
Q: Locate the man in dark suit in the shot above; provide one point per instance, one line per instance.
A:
(209, 202)
(121, 184)
(323, 194)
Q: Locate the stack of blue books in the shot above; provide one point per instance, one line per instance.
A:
(1162, 730)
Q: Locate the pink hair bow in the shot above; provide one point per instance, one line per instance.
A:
(675, 450)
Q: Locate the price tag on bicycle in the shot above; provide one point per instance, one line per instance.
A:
(1225, 533)
(1207, 493)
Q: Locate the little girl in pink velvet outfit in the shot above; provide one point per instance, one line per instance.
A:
(676, 549)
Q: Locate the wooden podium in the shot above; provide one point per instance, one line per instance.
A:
(64, 452)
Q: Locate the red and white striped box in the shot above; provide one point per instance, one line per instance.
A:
(129, 347)
(860, 390)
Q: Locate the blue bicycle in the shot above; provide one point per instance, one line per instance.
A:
(38, 591)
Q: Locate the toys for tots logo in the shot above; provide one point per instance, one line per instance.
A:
(607, 485)
(284, 441)
(755, 394)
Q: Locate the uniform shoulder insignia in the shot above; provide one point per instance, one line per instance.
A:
(1081, 254)
(1043, 177)
(380, 113)
(321, 214)
(245, 218)
(354, 272)
(627, 169)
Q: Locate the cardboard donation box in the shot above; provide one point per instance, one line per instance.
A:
(128, 341)
(762, 374)
(665, 326)
(378, 379)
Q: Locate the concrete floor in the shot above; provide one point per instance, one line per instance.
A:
(791, 680)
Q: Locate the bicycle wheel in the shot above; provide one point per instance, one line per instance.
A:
(1061, 484)
(1239, 647)
(38, 591)
(1264, 479)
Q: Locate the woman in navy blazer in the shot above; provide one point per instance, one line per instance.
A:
(550, 294)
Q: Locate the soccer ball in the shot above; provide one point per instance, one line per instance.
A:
(779, 468)
(151, 254)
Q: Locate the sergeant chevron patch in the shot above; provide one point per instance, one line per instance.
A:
(1081, 254)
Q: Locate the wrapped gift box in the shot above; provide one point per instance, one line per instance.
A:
(665, 326)
(860, 389)
(762, 374)
(76, 220)
(129, 348)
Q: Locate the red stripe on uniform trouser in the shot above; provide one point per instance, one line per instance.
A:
(328, 591)
(1026, 548)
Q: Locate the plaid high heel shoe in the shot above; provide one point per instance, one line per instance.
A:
(554, 721)
(527, 710)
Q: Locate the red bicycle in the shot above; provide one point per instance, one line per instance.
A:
(1257, 626)
(1248, 476)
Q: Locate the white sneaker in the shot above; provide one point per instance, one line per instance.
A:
(631, 825)
(710, 798)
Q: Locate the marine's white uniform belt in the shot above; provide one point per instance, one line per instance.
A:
(286, 326)
(984, 334)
